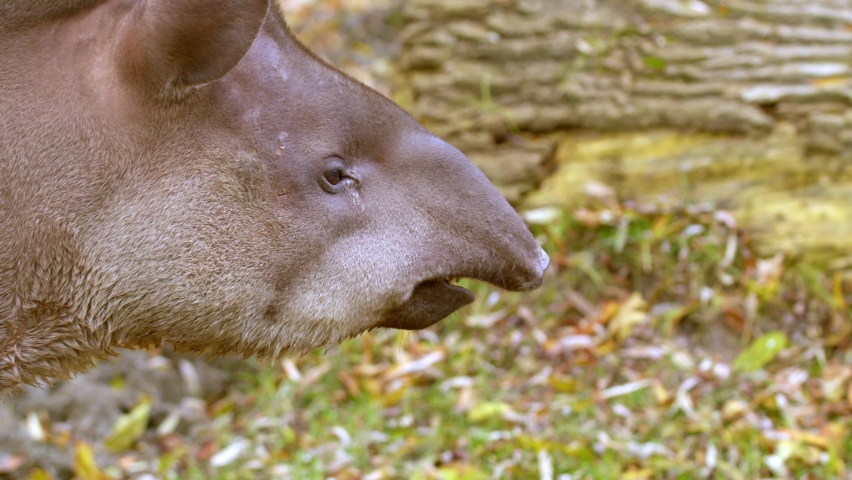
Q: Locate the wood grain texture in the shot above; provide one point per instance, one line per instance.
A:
(744, 103)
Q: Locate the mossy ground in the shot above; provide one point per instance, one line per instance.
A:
(659, 347)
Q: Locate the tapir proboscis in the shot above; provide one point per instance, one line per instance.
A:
(185, 171)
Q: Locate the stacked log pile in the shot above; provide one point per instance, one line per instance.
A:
(739, 102)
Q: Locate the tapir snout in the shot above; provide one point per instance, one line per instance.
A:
(185, 171)
(476, 235)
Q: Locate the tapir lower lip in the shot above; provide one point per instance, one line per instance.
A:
(460, 290)
(431, 302)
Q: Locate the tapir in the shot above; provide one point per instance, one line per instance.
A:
(186, 172)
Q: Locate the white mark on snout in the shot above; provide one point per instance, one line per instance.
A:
(282, 143)
(543, 261)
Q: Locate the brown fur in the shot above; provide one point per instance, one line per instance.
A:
(161, 179)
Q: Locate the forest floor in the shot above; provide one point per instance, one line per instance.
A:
(660, 346)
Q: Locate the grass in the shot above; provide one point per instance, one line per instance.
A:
(627, 364)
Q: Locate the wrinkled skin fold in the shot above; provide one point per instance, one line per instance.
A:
(185, 171)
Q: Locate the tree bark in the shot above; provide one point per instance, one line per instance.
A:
(744, 103)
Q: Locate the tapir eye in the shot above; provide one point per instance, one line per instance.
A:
(336, 178)
(333, 176)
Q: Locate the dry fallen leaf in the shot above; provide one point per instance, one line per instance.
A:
(834, 381)
(625, 389)
(85, 467)
(39, 474)
(488, 410)
(486, 320)
(229, 454)
(129, 427)
(630, 314)
(10, 463)
(761, 351)
(415, 366)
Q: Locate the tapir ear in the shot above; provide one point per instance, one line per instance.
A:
(170, 45)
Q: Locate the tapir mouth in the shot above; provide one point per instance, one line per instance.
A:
(430, 302)
(437, 297)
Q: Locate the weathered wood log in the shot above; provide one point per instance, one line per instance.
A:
(745, 103)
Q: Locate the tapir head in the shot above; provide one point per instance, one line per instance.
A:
(225, 190)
